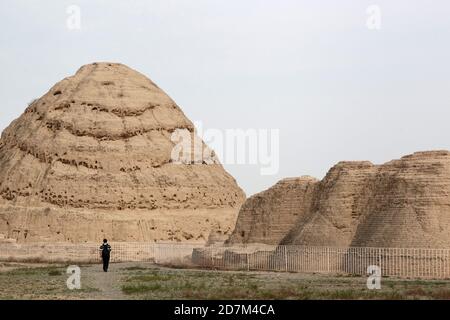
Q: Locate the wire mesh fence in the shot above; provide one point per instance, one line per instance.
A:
(398, 262)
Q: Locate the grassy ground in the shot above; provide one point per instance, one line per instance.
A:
(19, 281)
(144, 281)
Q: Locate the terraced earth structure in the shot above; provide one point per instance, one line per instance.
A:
(404, 203)
(93, 158)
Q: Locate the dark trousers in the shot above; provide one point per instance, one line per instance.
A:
(105, 259)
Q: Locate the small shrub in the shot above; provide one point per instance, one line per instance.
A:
(54, 273)
(139, 289)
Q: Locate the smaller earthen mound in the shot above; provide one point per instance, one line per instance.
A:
(403, 203)
(268, 216)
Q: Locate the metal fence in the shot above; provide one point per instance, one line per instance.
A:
(160, 253)
(397, 262)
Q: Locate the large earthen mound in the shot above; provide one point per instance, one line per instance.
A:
(93, 158)
(403, 203)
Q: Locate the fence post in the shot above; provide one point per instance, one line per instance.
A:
(248, 262)
(285, 259)
(380, 264)
(328, 260)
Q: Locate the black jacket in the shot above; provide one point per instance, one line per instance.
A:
(105, 249)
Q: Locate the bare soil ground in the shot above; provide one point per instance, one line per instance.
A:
(148, 281)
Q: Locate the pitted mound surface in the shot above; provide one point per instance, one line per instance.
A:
(100, 141)
(403, 203)
(268, 216)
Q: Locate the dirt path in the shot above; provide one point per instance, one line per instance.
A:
(108, 283)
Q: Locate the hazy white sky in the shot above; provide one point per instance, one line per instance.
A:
(334, 88)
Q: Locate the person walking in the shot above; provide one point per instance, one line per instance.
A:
(105, 250)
